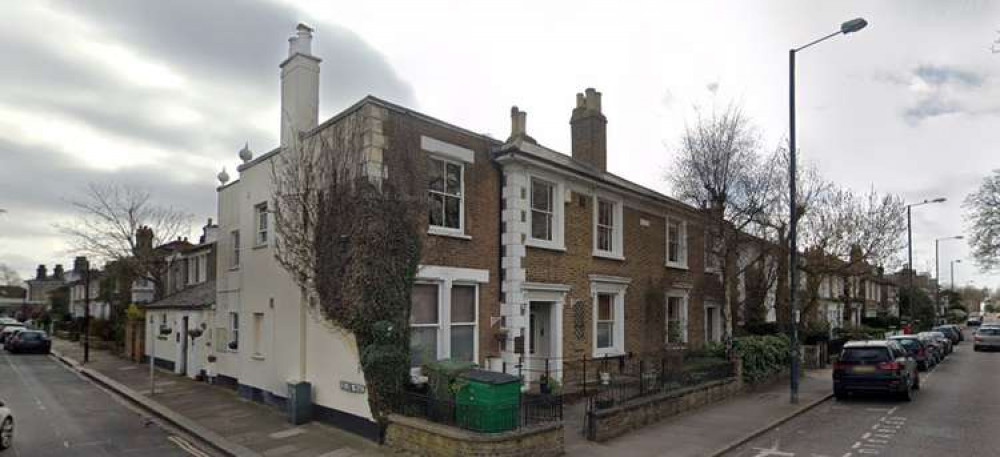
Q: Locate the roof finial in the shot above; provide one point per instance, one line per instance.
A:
(245, 153)
(223, 176)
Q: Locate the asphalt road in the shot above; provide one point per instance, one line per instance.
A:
(956, 413)
(59, 413)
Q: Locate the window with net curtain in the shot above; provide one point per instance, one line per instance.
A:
(463, 322)
(605, 321)
(423, 324)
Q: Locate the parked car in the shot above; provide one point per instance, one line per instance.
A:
(952, 333)
(9, 331)
(948, 345)
(917, 349)
(935, 349)
(29, 341)
(961, 335)
(6, 427)
(986, 338)
(974, 321)
(943, 343)
(875, 366)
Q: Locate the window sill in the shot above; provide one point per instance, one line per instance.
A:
(236, 268)
(162, 338)
(259, 246)
(679, 266)
(611, 352)
(448, 233)
(608, 255)
(549, 246)
(257, 357)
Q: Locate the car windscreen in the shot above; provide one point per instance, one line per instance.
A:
(989, 331)
(908, 343)
(30, 336)
(867, 354)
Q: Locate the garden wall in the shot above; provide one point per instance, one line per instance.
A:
(424, 438)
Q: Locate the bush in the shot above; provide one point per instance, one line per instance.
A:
(762, 356)
(859, 333)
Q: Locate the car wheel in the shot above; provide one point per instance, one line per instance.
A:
(840, 394)
(907, 394)
(7, 433)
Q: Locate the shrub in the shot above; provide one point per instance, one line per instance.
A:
(762, 356)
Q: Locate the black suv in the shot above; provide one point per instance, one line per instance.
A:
(875, 366)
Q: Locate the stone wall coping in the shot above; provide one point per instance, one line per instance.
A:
(456, 433)
(634, 404)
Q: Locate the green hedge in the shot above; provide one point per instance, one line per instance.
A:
(762, 356)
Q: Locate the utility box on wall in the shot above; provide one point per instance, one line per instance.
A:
(299, 402)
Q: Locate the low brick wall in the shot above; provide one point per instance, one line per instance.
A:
(425, 438)
(609, 423)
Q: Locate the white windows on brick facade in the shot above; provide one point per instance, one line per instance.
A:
(676, 319)
(463, 323)
(260, 219)
(542, 209)
(445, 193)
(424, 324)
(676, 243)
(605, 225)
(605, 321)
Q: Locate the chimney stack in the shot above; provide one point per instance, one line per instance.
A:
(299, 87)
(589, 127)
(519, 126)
(57, 272)
(40, 272)
(143, 240)
(80, 264)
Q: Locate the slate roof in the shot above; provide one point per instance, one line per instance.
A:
(195, 297)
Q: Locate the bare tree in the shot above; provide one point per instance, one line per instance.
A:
(109, 216)
(720, 169)
(9, 277)
(983, 220)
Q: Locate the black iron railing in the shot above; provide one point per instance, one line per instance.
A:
(633, 379)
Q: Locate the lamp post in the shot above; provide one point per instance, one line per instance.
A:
(850, 26)
(909, 254)
(86, 310)
(953, 262)
(937, 273)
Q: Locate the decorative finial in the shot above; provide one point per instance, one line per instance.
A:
(245, 153)
(223, 176)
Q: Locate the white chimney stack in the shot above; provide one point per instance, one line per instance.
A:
(299, 87)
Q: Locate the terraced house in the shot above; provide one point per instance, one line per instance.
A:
(532, 259)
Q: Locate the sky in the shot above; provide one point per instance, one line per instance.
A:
(162, 95)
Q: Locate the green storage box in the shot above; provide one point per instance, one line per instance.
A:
(488, 401)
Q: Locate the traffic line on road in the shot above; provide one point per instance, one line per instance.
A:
(186, 446)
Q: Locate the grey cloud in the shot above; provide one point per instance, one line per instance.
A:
(932, 106)
(938, 75)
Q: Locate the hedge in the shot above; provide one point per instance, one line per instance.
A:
(762, 356)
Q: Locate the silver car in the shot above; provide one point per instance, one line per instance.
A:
(6, 427)
(986, 338)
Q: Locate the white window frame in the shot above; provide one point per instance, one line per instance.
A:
(558, 209)
(615, 287)
(683, 296)
(682, 244)
(261, 224)
(617, 251)
(234, 239)
(444, 230)
(444, 322)
(437, 325)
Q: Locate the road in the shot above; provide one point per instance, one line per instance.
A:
(955, 413)
(59, 413)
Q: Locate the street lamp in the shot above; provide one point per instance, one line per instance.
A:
(850, 26)
(953, 262)
(909, 253)
(937, 272)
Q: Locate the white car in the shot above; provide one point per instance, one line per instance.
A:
(6, 427)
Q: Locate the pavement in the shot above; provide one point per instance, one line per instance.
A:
(216, 415)
(59, 413)
(954, 414)
(711, 430)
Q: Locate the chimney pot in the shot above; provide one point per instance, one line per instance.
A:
(519, 125)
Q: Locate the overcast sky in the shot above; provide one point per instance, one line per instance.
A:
(164, 94)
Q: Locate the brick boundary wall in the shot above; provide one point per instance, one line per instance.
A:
(424, 438)
(610, 423)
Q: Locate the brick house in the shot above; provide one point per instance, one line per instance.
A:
(529, 256)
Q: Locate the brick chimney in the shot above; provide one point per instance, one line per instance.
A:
(519, 126)
(589, 128)
(143, 240)
(80, 264)
(40, 272)
(299, 87)
(57, 272)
